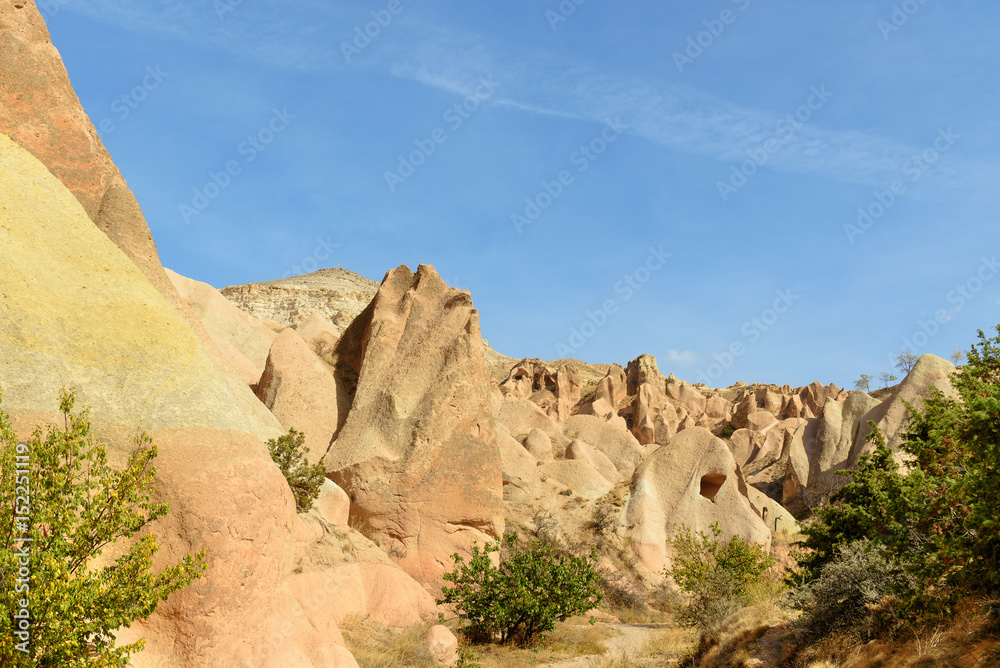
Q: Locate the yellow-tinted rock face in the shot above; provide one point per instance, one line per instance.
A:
(76, 312)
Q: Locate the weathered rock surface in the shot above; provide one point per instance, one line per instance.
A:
(521, 483)
(580, 477)
(555, 391)
(300, 390)
(443, 645)
(337, 295)
(231, 329)
(617, 444)
(78, 313)
(691, 481)
(418, 454)
(891, 415)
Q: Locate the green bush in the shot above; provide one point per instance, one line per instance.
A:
(524, 595)
(289, 453)
(58, 492)
(716, 577)
(939, 518)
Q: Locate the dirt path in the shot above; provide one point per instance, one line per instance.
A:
(630, 642)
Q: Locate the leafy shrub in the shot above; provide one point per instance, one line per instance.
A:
(58, 492)
(717, 577)
(524, 595)
(289, 453)
(939, 518)
(853, 588)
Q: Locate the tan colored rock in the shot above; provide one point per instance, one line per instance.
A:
(520, 416)
(610, 392)
(579, 476)
(743, 411)
(691, 481)
(556, 391)
(591, 455)
(300, 390)
(78, 313)
(617, 444)
(717, 407)
(521, 482)
(321, 335)
(340, 569)
(418, 454)
(891, 415)
(338, 295)
(800, 454)
(761, 421)
(226, 322)
(442, 644)
(641, 370)
(539, 445)
(685, 394)
(782, 523)
(333, 504)
(744, 444)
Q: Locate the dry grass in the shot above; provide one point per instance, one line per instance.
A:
(571, 639)
(968, 640)
(375, 646)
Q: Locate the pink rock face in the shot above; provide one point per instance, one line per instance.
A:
(418, 454)
(443, 645)
(333, 504)
(300, 390)
(40, 111)
(608, 396)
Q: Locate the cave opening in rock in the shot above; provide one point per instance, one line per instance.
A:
(711, 484)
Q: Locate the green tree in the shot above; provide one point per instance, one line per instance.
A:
(956, 449)
(886, 379)
(905, 361)
(524, 594)
(873, 505)
(289, 453)
(61, 506)
(716, 576)
(864, 382)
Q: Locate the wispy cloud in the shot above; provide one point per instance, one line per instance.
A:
(534, 81)
(682, 357)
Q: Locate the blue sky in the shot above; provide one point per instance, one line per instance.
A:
(676, 178)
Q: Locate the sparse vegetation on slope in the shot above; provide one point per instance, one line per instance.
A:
(62, 506)
(289, 453)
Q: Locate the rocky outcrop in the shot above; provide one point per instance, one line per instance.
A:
(555, 391)
(243, 340)
(337, 295)
(300, 390)
(891, 415)
(692, 481)
(78, 313)
(418, 454)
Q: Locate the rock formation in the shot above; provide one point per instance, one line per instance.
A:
(418, 454)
